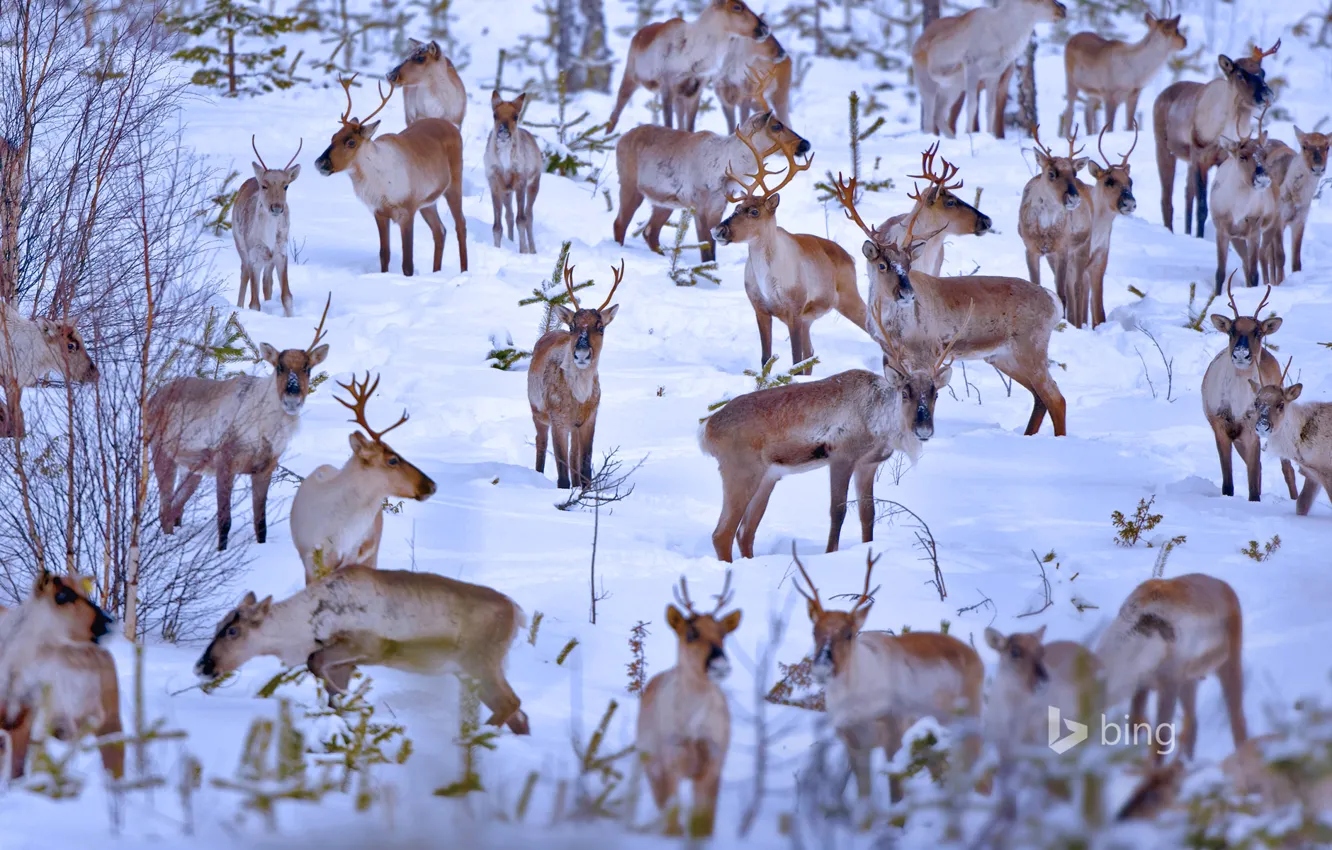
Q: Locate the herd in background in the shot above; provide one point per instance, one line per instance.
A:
(1168, 635)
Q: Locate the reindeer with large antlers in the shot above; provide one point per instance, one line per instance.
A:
(684, 725)
(399, 174)
(938, 211)
(1244, 207)
(563, 387)
(1295, 432)
(796, 277)
(1227, 396)
(1111, 195)
(260, 222)
(225, 428)
(876, 684)
(337, 517)
(1005, 321)
(1054, 223)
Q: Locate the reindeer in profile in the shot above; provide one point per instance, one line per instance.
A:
(938, 212)
(260, 224)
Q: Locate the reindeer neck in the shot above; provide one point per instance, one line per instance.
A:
(690, 675)
(1287, 439)
(287, 633)
(1013, 23)
(1152, 47)
(701, 37)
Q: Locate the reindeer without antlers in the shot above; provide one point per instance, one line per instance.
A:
(337, 517)
(1055, 224)
(563, 387)
(1298, 432)
(938, 210)
(1244, 207)
(684, 725)
(1112, 72)
(1111, 195)
(399, 174)
(877, 684)
(260, 222)
(1296, 176)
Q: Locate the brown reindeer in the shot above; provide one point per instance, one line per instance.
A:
(563, 387)
(1111, 195)
(1295, 179)
(675, 56)
(337, 517)
(684, 725)
(1169, 635)
(938, 211)
(431, 87)
(1296, 432)
(1032, 676)
(53, 674)
(400, 174)
(1244, 207)
(877, 684)
(260, 222)
(1190, 118)
(796, 277)
(1112, 72)
(513, 167)
(418, 622)
(1228, 400)
(745, 60)
(31, 349)
(1055, 224)
(225, 428)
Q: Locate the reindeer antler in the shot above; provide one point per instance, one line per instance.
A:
(569, 285)
(724, 598)
(1073, 140)
(346, 83)
(1259, 54)
(1233, 307)
(1124, 160)
(360, 395)
(255, 147)
(1036, 138)
(300, 144)
(346, 118)
(892, 347)
(758, 86)
(319, 331)
(619, 276)
(867, 595)
(1263, 303)
(682, 599)
(759, 177)
(846, 194)
(1286, 370)
(383, 101)
(940, 179)
(813, 600)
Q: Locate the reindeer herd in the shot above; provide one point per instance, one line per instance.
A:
(1167, 637)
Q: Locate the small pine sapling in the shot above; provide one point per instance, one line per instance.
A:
(685, 274)
(764, 379)
(471, 740)
(638, 663)
(1129, 530)
(827, 186)
(534, 627)
(1266, 552)
(217, 217)
(564, 653)
(1197, 315)
(504, 357)
(574, 144)
(224, 29)
(553, 293)
(599, 775)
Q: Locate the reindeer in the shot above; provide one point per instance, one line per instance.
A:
(1169, 635)
(676, 169)
(678, 54)
(1112, 72)
(53, 673)
(796, 277)
(31, 349)
(1055, 224)
(851, 423)
(1295, 432)
(513, 166)
(1111, 195)
(226, 428)
(418, 622)
(563, 387)
(937, 211)
(877, 684)
(337, 517)
(400, 174)
(260, 222)
(957, 56)
(684, 725)
(746, 59)
(431, 85)
(1190, 118)
(1013, 318)
(1244, 207)
(1032, 677)
(1295, 181)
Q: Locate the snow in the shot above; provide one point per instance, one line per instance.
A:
(991, 496)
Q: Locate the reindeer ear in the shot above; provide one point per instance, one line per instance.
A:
(293, 173)
(1299, 134)
(861, 615)
(1095, 169)
(1080, 163)
(1149, 19)
(261, 611)
(433, 50)
(414, 43)
(358, 442)
(674, 618)
(495, 99)
(771, 203)
(942, 377)
(39, 584)
(1255, 386)
(995, 639)
(519, 101)
(249, 599)
(608, 314)
(730, 622)
(1293, 391)
(812, 610)
(1271, 326)
(49, 329)
(368, 130)
(1039, 634)
(269, 353)
(564, 314)
(1221, 323)
(870, 250)
(1226, 65)
(317, 356)
(258, 172)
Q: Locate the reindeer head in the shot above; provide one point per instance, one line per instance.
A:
(756, 210)
(1021, 655)
(273, 182)
(1250, 156)
(66, 344)
(588, 327)
(61, 604)
(1115, 181)
(236, 640)
(769, 135)
(889, 262)
(292, 367)
(399, 478)
(736, 18)
(1246, 332)
(354, 134)
(701, 636)
(1061, 172)
(1167, 28)
(835, 631)
(506, 114)
(937, 208)
(1269, 403)
(771, 49)
(919, 385)
(1247, 78)
(1047, 10)
(418, 65)
(1313, 147)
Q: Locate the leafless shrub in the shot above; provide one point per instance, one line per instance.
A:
(889, 511)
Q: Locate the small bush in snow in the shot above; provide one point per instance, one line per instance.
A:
(1268, 549)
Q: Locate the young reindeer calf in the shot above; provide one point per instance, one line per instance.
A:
(1296, 432)
(513, 167)
(31, 349)
(1034, 676)
(684, 725)
(1296, 175)
(260, 223)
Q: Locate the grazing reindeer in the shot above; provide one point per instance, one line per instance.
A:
(358, 616)
(1169, 635)
(513, 166)
(1228, 399)
(1295, 181)
(851, 423)
(53, 673)
(1111, 196)
(563, 387)
(675, 54)
(1190, 118)
(1112, 72)
(337, 517)
(400, 174)
(260, 222)
(676, 169)
(796, 277)
(431, 87)
(31, 349)
(1243, 207)
(957, 56)
(1012, 323)
(745, 60)
(239, 426)
(1034, 675)
(938, 211)
(877, 684)
(684, 725)
(1298, 432)
(1055, 224)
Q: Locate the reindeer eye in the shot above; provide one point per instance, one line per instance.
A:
(905, 395)
(232, 631)
(1051, 174)
(691, 635)
(72, 346)
(949, 202)
(265, 185)
(883, 267)
(1110, 183)
(351, 143)
(418, 59)
(1015, 652)
(64, 596)
(777, 127)
(393, 461)
(753, 212)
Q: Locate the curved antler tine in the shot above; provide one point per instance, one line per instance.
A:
(262, 164)
(1286, 371)
(867, 595)
(568, 284)
(1231, 294)
(846, 194)
(383, 101)
(299, 145)
(723, 598)
(943, 358)
(619, 276)
(751, 187)
(1132, 147)
(1259, 54)
(1036, 138)
(682, 597)
(1263, 303)
(813, 600)
(758, 86)
(1073, 140)
(892, 348)
(1099, 148)
(949, 172)
(319, 331)
(346, 83)
(926, 163)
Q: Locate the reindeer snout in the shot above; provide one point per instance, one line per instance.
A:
(324, 165)
(803, 147)
(101, 625)
(1127, 204)
(393, 75)
(1072, 200)
(1061, 11)
(718, 667)
(722, 234)
(427, 490)
(983, 225)
(1261, 179)
(276, 209)
(924, 424)
(1264, 96)
(205, 668)
(582, 353)
(761, 31)
(822, 668)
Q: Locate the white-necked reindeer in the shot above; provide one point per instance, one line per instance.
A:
(1034, 676)
(1296, 432)
(31, 349)
(260, 224)
(513, 167)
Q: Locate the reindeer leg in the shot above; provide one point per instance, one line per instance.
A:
(164, 467)
(1166, 698)
(764, 319)
(560, 432)
(20, 734)
(453, 198)
(1070, 103)
(1297, 242)
(542, 436)
(498, 696)
(1131, 109)
(182, 497)
(704, 221)
(758, 505)
(255, 303)
(1222, 254)
(1097, 276)
(658, 219)
(584, 436)
(508, 212)
(226, 480)
(1307, 496)
(382, 224)
(530, 212)
(1111, 110)
(1201, 196)
(497, 193)
(630, 200)
(286, 284)
(259, 483)
(1252, 451)
(1223, 444)
(334, 664)
(839, 481)
(431, 216)
(1034, 266)
(406, 225)
(1190, 194)
(1288, 473)
(706, 789)
(1231, 674)
(864, 480)
(245, 281)
(739, 484)
(1165, 167)
(1188, 704)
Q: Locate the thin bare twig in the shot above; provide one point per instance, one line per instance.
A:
(1045, 587)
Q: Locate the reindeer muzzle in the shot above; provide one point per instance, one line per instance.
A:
(722, 233)
(324, 164)
(983, 224)
(394, 74)
(277, 209)
(1127, 203)
(1061, 11)
(718, 667)
(803, 148)
(1263, 97)
(1072, 200)
(428, 489)
(822, 668)
(1263, 427)
(1240, 355)
(101, 625)
(582, 353)
(1042, 674)
(761, 31)
(923, 427)
(781, 55)
(1261, 179)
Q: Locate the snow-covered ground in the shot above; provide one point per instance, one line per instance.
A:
(991, 496)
